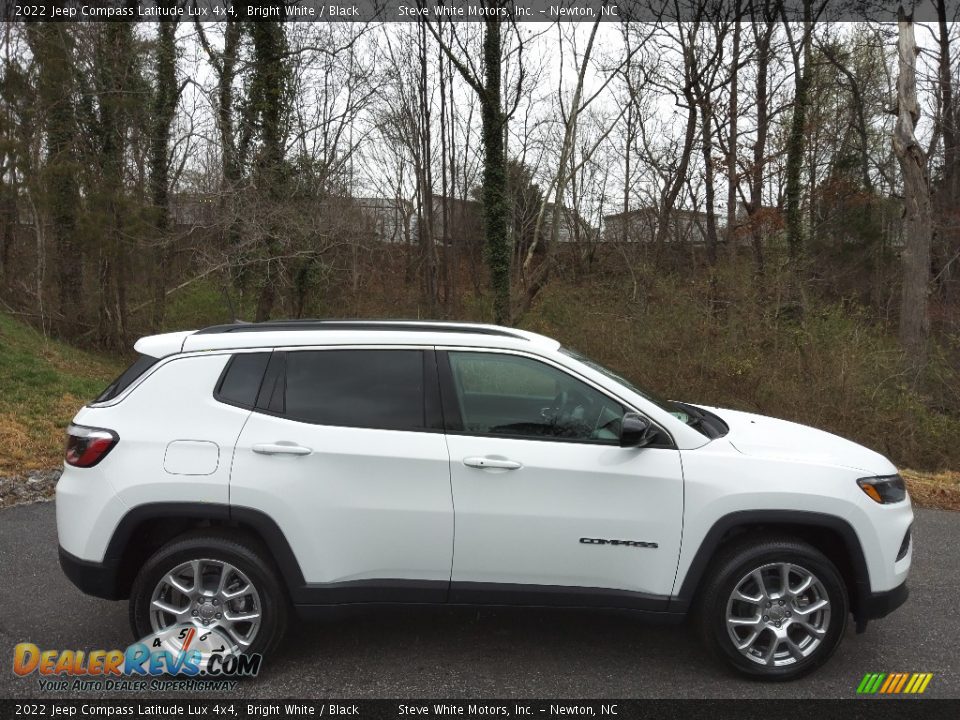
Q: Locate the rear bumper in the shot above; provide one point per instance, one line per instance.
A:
(93, 578)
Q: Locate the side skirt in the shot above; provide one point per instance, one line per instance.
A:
(324, 600)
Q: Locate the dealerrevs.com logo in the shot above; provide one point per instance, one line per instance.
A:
(178, 658)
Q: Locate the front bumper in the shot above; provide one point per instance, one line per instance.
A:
(877, 605)
(93, 578)
(881, 604)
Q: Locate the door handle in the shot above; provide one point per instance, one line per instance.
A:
(281, 448)
(486, 462)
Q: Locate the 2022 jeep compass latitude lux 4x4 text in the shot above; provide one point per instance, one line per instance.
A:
(237, 474)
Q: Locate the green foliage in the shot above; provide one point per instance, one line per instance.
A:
(42, 385)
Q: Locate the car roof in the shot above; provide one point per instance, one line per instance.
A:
(292, 333)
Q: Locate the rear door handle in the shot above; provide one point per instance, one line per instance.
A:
(486, 462)
(281, 448)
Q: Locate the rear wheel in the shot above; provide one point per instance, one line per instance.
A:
(212, 582)
(774, 609)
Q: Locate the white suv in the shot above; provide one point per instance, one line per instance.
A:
(238, 473)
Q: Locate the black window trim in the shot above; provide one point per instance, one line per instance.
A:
(272, 395)
(270, 400)
(451, 405)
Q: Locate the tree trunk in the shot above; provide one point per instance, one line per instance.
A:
(706, 136)
(495, 203)
(445, 189)
(733, 137)
(164, 108)
(565, 170)
(266, 105)
(914, 319)
(947, 196)
(760, 146)
(424, 171)
(50, 43)
(625, 225)
(114, 50)
(668, 197)
(796, 142)
(225, 65)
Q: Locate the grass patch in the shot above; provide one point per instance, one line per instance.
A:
(42, 385)
(936, 490)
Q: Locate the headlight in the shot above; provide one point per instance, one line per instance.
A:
(884, 490)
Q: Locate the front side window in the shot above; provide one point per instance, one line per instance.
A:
(515, 396)
(381, 389)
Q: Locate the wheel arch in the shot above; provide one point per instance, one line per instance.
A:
(146, 528)
(832, 535)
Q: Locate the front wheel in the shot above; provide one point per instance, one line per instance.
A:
(774, 609)
(211, 582)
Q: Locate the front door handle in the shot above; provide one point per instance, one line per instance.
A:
(486, 462)
(281, 448)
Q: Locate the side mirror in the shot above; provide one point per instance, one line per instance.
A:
(636, 431)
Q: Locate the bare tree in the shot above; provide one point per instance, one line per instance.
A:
(166, 94)
(763, 34)
(914, 318)
(488, 87)
(801, 50)
(51, 45)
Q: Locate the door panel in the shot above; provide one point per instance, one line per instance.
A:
(560, 513)
(526, 525)
(363, 504)
(367, 510)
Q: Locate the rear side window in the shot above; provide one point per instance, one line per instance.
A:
(380, 389)
(139, 367)
(241, 379)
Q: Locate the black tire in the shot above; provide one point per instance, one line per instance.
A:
(239, 551)
(731, 566)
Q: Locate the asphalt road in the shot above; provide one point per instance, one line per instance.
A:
(491, 653)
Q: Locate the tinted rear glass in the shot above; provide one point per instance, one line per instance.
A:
(241, 380)
(356, 388)
(139, 367)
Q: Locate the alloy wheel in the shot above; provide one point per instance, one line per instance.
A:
(778, 614)
(209, 594)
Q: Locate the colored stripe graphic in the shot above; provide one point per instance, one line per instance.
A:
(891, 679)
(903, 681)
(894, 683)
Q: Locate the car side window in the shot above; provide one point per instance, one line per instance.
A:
(240, 381)
(381, 389)
(515, 396)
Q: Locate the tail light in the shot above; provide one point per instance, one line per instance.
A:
(86, 446)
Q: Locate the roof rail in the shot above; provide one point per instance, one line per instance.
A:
(397, 325)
